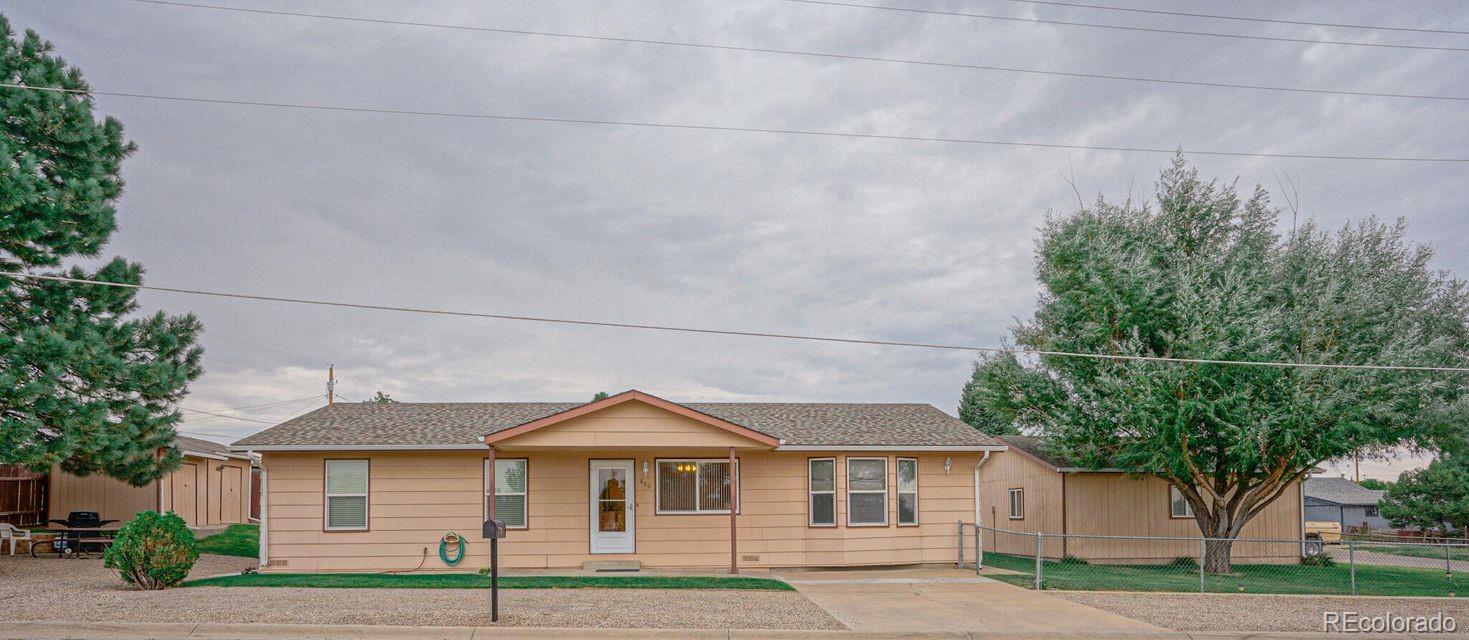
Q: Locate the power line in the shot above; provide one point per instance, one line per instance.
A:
(810, 54)
(225, 415)
(273, 349)
(1216, 16)
(1093, 25)
(724, 128)
(730, 332)
(276, 403)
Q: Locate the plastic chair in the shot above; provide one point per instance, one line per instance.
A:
(13, 534)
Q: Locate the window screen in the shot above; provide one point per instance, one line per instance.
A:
(346, 494)
(867, 491)
(822, 490)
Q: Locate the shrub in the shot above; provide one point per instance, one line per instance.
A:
(153, 551)
(1070, 559)
(1320, 560)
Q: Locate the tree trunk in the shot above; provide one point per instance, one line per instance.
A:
(1216, 555)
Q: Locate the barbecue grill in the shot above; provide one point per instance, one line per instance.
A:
(79, 529)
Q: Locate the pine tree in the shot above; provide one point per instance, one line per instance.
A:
(82, 384)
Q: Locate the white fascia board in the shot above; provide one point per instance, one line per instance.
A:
(850, 447)
(360, 447)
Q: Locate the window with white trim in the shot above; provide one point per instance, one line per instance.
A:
(822, 490)
(510, 491)
(907, 491)
(1178, 507)
(696, 486)
(1017, 504)
(346, 495)
(867, 491)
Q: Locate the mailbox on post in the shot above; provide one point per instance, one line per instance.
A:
(494, 530)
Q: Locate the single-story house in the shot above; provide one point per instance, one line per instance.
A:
(1029, 489)
(210, 489)
(631, 478)
(1341, 500)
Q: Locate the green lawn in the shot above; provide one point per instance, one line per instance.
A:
(1248, 578)
(238, 540)
(1415, 551)
(475, 581)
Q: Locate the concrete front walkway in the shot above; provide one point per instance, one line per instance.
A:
(949, 601)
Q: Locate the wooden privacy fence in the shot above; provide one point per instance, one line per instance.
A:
(22, 496)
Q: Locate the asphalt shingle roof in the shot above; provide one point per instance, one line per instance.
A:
(195, 445)
(1036, 446)
(1341, 491)
(463, 423)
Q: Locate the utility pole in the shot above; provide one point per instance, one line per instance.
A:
(331, 384)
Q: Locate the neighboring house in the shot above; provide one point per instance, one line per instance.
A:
(1341, 500)
(211, 488)
(1029, 490)
(631, 478)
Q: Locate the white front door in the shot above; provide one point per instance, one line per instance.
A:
(612, 506)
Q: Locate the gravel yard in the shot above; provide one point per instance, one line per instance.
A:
(1227, 612)
(30, 590)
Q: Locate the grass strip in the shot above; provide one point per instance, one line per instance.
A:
(475, 581)
(1376, 580)
(242, 540)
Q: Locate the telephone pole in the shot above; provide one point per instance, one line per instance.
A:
(331, 384)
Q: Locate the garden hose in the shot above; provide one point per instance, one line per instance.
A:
(455, 540)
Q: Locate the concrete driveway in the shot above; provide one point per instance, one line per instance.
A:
(949, 601)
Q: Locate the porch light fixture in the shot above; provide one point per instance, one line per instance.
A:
(948, 464)
(645, 468)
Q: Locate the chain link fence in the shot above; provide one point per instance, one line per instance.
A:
(1352, 566)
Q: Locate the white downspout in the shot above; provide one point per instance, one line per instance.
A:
(978, 512)
(264, 514)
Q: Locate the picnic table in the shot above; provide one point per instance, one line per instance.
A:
(73, 537)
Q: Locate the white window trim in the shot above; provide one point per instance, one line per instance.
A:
(884, 491)
(1018, 491)
(811, 494)
(1188, 509)
(485, 507)
(898, 486)
(326, 505)
(698, 495)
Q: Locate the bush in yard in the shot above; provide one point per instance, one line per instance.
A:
(154, 551)
(1321, 560)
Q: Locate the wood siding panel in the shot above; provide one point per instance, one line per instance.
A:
(416, 497)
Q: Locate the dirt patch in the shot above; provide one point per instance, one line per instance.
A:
(1249, 612)
(30, 590)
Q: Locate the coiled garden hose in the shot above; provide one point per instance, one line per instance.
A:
(456, 541)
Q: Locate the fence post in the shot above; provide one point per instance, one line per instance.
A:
(1352, 561)
(978, 548)
(1203, 550)
(1040, 547)
(1448, 567)
(961, 544)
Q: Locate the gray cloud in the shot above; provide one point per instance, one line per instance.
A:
(910, 241)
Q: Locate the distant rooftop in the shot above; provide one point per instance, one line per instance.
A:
(1342, 491)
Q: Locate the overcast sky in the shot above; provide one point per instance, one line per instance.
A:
(866, 238)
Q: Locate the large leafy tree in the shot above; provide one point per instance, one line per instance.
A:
(1206, 273)
(1435, 497)
(82, 383)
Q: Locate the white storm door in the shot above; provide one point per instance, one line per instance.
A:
(612, 506)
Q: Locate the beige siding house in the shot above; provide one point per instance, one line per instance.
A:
(211, 488)
(1027, 490)
(633, 477)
